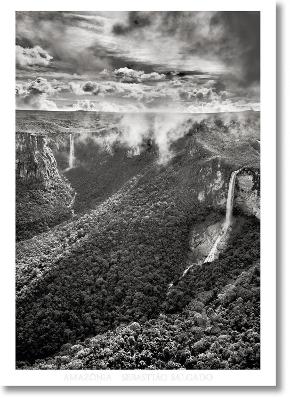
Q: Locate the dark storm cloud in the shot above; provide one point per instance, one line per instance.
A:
(29, 26)
(136, 20)
(113, 60)
(168, 21)
(63, 35)
(116, 60)
(71, 39)
(230, 37)
(241, 41)
(24, 42)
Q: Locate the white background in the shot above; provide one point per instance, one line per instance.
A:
(283, 167)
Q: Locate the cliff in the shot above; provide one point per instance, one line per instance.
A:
(35, 163)
(248, 192)
(44, 198)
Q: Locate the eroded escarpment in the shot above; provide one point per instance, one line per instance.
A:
(35, 163)
(44, 198)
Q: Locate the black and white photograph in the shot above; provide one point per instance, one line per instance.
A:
(137, 200)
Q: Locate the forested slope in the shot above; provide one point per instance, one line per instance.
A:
(110, 267)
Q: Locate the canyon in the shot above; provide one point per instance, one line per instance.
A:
(131, 234)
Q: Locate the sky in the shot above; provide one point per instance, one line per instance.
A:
(183, 62)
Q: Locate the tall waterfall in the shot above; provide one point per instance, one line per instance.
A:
(71, 151)
(228, 220)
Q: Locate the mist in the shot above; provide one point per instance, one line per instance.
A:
(131, 131)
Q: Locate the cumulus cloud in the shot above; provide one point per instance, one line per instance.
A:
(114, 96)
(137, 92)
(34, 95)
(97, 88)
(202, 94)
(132, 76)
(35, 56)
(105, 106)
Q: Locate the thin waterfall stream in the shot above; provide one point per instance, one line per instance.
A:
(228, 221)
(71, 151)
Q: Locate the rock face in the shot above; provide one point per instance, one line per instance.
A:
(202, 238)
(248, 192)
(44, 198)
(35, 163)
(214, 177)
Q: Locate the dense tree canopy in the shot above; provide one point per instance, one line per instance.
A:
(93, 292)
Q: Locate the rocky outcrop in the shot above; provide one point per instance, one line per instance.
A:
(35, 163)
(44, 197)
(212, 183)
(202, 238)
(247, 197)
